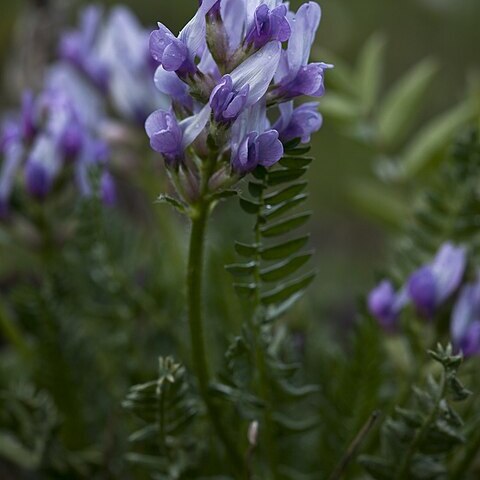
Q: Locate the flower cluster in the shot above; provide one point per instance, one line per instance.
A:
(427, 289)
(230, 64)
(55, 134)
(112, 53)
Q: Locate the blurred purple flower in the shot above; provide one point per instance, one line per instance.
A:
(385, 304)
(432, 284)
(465, 325)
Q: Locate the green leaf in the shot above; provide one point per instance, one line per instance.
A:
(245, 289)
(285, 268)
(177, 204)
(369, 72)
(226, 194)
(260, 173)
(241, 269)
(277, 310)
(294, 425)
(341, 107)
(249, 207)
(278, 177)
(284, 207)
(285, 194)
(286, 225)
(423, 151)
(298, 151)
(255, 189)
(402, 103)
(283, 250)
(245, 250)
(296, 162)
(288, 289)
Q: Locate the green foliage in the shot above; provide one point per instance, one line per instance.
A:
(417, 441)
(384, 120)
(165, 445)
(447, 211)
(262, 377)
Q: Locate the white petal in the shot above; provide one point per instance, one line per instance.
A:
(258, 71)
(193, 126)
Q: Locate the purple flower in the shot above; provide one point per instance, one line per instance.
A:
(465, 325)
(72, 139)
(268, 25)
(171, 138)
(295, 75)
(432, 284)
(107, 189)
(170, 52)
(226, 102)
(78, 48)
(165, 134)
(258, 149)
(298, 123)
(28, 116)
(42, 167)
(177, 54)
(385, 304)
(12, 151)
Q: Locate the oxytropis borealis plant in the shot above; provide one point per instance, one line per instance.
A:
(232, 76)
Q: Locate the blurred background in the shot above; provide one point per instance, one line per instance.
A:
(348, 243)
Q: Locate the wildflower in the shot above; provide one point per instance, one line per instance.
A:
(177, 54)
(298, 123)
(295, 75)
(268, 25)
(432, 284)
(42, 167)
(385, 304)
(78, 48)
(465, 324)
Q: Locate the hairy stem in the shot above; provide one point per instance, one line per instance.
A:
(196, 261)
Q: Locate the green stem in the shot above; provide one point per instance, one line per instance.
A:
(196, 261)
(403, 471)
(261, 361)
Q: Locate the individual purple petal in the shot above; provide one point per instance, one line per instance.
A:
(269, 149)
(268, 25)
(165, 134)
(257, 71)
